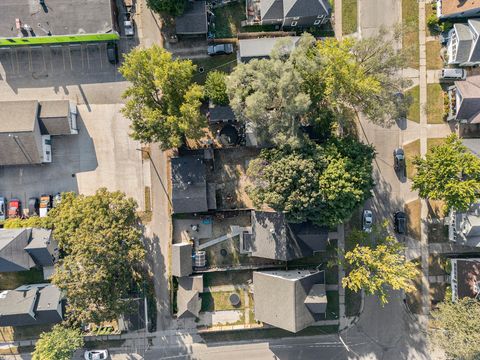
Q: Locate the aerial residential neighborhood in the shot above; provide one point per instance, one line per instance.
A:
(239, 179)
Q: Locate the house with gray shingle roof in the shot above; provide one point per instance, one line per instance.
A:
(463, 47)
(35, 304)
(290, 300)
(23, 249)
(467, 100)
(288, 13)
(189, 302)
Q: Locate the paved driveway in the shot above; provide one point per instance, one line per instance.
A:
(102, 154)
(376, 13)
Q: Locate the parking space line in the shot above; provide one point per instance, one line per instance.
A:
(67, 50)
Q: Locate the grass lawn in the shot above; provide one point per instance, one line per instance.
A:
(239, 335)
(437, 233)
(353, 302)
(224, 63)
(411, 151)
(434, 61)
(218, 301)
(13, 280)
(434, 104)
(432, 142)
(430, 9)
(410, 40)
(16, 333)
(332, 305)
(414, 109)
(413, 210)
(349, 16)
(226, 278)
(228, 19)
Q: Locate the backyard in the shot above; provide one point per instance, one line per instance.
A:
(228, 19)
(224, 63)
(12, 280)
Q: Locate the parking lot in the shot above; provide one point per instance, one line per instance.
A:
(54, 61)
(101, 155)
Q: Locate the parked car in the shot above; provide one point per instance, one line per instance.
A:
(400, 222)
(112, 52)
(3, 205)
(128, 25)
(399, 159)
(367, 220)
(57, 199)
(220, 49)
(95, 354)
(14, 208)
(452, 74)
(33, 206)
(45, 204)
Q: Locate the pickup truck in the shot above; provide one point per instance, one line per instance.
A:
(45, 205)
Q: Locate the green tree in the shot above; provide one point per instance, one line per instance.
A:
(362, 74)
(161, 97)
(455, 328)
(373, 265)
(33, 221)
(216, 88)
(449, 172)
(58, 344)
(323, 184)
(101, 239)
(171, 7)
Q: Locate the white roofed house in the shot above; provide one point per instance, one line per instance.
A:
(463, 47)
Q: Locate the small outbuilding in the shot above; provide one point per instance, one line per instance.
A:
(193, 21)
(182, 259)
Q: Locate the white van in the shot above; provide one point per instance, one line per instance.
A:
(453, 74)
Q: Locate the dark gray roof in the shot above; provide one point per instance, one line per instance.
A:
(54, 117)
(289, 300)
(305, 8)
(469, 90)
(189, 302)
(13, 257)
(31, 305)
(194, 20)
(64, 17)
(189, 193)
(182, 259)
(280, 9)
(274, 238)
(262, 47)
(220, 113)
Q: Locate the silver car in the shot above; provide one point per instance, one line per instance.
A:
(220, 49)
(367, 220)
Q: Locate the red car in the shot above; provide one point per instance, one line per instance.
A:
(14, 208)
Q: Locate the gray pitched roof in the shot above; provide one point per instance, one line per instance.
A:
(271, 9)
(189, 302)
(13, 257)
(31, 305)
(54, 117)
(469, 90)
(182, 259)
(464, 44)
(291, 300)
(274, 238)
(189, 193)
(305, 8)
(219, 113)
(194, 20)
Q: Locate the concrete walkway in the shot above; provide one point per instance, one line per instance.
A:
(338, 20)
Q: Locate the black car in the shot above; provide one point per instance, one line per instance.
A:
(112, 52)
(400, 222)
(33, 206)
(399, 159)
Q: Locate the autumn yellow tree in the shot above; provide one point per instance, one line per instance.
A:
(376, 263)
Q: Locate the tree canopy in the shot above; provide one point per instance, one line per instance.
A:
(162, 102)
(58, 344)
(449, 172)
(321, 183)
(216, 88)
(376, 262)
(171, 7)
(33, 221)
(101, 240)
(455, 328)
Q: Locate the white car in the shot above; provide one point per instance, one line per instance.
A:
(367, 220)
(95, 354)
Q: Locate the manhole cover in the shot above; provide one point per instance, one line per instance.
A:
(235, 299)
(223, 252)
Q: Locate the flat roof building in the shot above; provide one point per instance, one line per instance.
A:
(28, 22)
(261, 48)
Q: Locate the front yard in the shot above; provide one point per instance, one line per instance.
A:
(349, 16)
(434, 60)
(412, 150)
(413, 211)
(414, 108)
(435, 105)
(410, 41)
